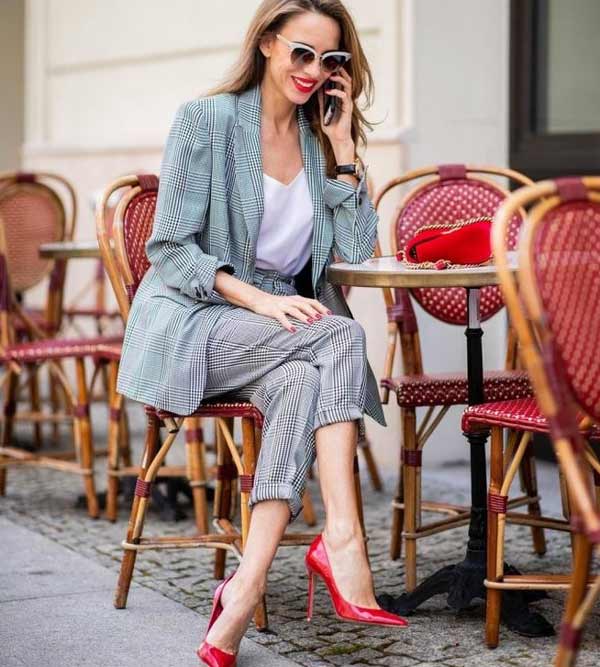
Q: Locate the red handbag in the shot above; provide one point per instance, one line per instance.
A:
(462, 243)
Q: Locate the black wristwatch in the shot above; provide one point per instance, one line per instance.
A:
(353, 169)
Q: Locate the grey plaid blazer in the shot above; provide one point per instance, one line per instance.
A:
(208, 215)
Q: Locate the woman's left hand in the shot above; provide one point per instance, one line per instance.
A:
(339, 130)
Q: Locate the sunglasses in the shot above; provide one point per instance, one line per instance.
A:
(302, 54)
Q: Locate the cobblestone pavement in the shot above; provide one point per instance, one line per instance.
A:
(44, 501)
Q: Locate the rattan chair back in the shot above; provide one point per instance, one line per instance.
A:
(446, 194)
(123, 239)
(556, 313)
(34, 212)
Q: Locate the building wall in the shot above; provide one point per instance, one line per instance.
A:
(12, 19)
(104, 80)
(459, 113)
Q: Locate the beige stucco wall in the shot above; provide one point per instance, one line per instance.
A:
(104, 80)
(12, 55)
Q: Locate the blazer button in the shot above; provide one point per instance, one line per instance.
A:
(360, 201)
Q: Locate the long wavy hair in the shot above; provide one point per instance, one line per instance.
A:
(249, 69)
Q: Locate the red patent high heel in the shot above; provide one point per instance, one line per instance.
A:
(317, 563)
(209, 654)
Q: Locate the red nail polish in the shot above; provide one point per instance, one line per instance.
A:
(319, 316)
(293, 330)
(330, 312)
(310, 320)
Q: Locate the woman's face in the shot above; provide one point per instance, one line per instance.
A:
(297, 82)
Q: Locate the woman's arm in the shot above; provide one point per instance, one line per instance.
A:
(279, 308)
(354, 218)
(182, 206)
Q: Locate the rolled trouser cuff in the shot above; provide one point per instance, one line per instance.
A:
(277, 491)
(336, 414)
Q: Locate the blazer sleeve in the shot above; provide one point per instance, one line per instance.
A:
(182, 208)
(354, 219)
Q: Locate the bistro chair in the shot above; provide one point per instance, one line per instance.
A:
(553, 291)
(37, 208)
(39, 350)
(126, 262)
(95, 289)
(444, 193)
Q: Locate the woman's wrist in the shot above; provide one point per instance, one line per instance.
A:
(345, 153)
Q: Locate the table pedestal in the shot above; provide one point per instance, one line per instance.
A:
(463, 582)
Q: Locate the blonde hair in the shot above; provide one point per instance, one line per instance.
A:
(249, 69)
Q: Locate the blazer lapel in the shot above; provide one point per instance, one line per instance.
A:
(249, 176)
(248, 162)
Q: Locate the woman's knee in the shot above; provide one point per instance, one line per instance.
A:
(346, 331)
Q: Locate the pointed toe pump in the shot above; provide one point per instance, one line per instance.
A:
(208, 654)
(317, 564)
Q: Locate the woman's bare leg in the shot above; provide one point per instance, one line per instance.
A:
(336, 447)
(242, 594)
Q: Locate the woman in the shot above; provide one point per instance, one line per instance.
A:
(249, 204)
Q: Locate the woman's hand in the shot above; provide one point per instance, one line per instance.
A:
(339, 130)
(281, 307)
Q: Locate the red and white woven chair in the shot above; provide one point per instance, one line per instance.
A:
(32, 354)
(125, 260)
(556, 284)
(37, 208)
(445, 193)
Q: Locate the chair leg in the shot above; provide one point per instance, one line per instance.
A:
(528, 475)
(365, 447)
(495, 551)
(197, 472)
(129, 555)
(83, 430)
(398, 515)
(250, 449)
(9, 408)
(358, 491)
(36, 405)
(55, 406)
(411, 498)
(223, 504)
(570, 632)
(308, 510)
(115, 405)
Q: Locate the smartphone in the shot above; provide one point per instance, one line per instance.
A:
(331, 103)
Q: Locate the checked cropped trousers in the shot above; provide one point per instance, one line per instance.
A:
(299, 381)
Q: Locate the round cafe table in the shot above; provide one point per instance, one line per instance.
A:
(462, 582)
(70, 250)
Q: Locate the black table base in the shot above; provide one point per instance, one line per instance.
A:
(464, 582)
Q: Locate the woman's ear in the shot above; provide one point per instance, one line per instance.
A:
(266, 45)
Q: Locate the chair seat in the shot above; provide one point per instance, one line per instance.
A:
(109, 351)
(452, 388)
(522, 414)
(50, 349)
(216, 409)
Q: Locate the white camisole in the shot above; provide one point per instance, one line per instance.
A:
(285, 237)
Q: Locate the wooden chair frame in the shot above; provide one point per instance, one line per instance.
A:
(65, 201)
(407, 504)
(79, 461)
(229, 458)
(575, 459)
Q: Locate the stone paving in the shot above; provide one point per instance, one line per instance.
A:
(44, 501)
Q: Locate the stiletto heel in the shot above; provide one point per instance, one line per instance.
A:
(311, 594)
(211, 655)
(317, 563)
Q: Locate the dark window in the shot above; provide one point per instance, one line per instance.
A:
(555, 87)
